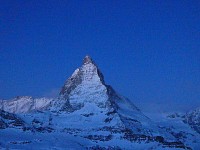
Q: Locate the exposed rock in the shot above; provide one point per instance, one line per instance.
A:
(10, 120)
(193, 119)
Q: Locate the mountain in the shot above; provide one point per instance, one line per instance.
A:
(88, 114)
(24, 104)
(193, 119)
(175, 125)
(86, 93)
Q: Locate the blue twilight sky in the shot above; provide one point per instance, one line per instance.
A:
(148, 50)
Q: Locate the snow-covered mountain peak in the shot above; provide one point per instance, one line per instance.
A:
(90, 71)
(87, 60)
(86, 94)
(85, 85)
(87, 74)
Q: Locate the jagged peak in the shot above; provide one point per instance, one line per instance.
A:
(87, 60)
(87, 72)
(23, 97)
(19, 97)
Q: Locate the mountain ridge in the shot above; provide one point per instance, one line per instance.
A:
(89, 109)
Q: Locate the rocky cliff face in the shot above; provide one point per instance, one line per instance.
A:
(9, 120)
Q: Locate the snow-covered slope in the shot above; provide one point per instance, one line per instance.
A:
(175, 124)
(193, 119)
(24, 104)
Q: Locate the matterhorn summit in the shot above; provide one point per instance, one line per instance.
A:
(86, 85)
(86, 99)
(86, 94)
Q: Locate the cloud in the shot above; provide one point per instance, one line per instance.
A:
(52, 93)
(166, 107)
